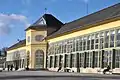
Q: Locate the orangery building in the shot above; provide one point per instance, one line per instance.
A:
(85, 45)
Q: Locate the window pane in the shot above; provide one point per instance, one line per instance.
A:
(106, 39)
(87, 59)
(92, 41)
(96, 59)
(81, 60)
(118, 38)
(88, 43)
(112, 33)
(73, 60)
(117, 59)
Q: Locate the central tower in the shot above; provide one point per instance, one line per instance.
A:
(36, 45)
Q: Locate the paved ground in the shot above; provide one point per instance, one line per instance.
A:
(45, 75)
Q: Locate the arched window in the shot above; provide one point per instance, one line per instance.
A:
(39, 59)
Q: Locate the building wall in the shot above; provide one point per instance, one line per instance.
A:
(32, 46)
(16, 57)
(107, 51)
(11, 52)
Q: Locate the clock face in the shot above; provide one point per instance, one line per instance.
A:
(39, 37)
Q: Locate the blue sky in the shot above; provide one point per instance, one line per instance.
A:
(17, 15)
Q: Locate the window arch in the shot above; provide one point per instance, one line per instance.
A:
(39, 59)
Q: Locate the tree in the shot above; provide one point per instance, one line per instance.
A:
(3, 51)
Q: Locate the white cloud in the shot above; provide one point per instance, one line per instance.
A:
(9, 21)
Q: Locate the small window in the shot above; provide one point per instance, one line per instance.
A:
(28, 39)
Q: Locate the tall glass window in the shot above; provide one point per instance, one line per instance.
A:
(96, 40)
(74, 45)
(49, 50)
(117, 59)
(118, 38)
(64, 48)
(100, 58)
(69, 46)
(62, 45)
(107, 58)
(52, 49)
(73, 60)
(87, 59)
(107, 39)
(56, 61)
(60, 48)
(67, 60)
(91, 59)
(39, 59)
(88, 42)
(51, 61)
(112, 33)
(84, 43)
(80, 44)
(55, 48)
(96, 59)
(61, 60)
(101, 40)
(81, 61)
(77, 44)
(92, 41)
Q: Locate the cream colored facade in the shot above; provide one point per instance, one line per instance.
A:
(17, 57)
(71, 58)
(87, 48)
(31, 48)
(34, 45)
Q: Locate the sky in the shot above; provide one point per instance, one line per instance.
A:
(17, 15)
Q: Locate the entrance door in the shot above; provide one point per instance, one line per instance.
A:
(39, 59)
(107, 58)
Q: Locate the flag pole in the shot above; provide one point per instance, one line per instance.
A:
(45, 10)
